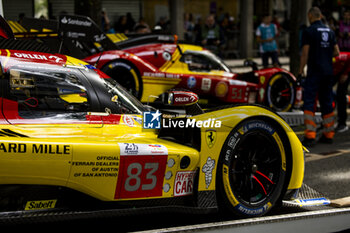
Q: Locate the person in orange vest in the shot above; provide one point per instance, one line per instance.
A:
(318, 48)
(341, 70)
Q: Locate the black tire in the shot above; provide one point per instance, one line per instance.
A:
(252, 169)
(126, 75)
(280, 93)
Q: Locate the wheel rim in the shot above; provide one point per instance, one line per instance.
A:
(255, 170)
(125, 78)
(281, 93)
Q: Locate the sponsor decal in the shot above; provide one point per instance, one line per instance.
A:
(258, 125)
(76, 35)
(262, 93)
(102, 167)
(142, 149)
(184, 98)
(99, 38)
(77, 22)
(151, 120)
(184, 183)
(41, 57)
(210, 136)
(206, 84)
(137, 119)
(257, 211)
(221, 89)
(161, 75)
(191, 82)
(128, 120)
(262, 79)
(23, 148)
(207, 169)
(38, 205)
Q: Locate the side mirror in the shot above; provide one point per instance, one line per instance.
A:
(180, 98)
(251, 63)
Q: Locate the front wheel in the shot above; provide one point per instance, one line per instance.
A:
(280, 93)
(252, 168)
(126, 75)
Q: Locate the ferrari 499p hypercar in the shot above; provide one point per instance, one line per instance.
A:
(148, 68)
(73, 140)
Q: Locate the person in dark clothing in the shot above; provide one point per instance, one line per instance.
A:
(211, 35)
(130, 22)
(318, 48)
(341, 70)
(121, 26)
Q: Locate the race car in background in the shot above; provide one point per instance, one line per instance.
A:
(149, 68)
(74, 142)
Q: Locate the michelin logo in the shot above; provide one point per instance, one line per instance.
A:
(208, 171)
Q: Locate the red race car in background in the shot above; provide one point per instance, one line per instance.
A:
(149, 67)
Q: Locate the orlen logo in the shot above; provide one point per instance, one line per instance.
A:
(39, 57)
(184, 98)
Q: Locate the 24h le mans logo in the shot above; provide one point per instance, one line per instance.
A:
(151, 120)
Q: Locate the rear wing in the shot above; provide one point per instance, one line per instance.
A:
(5, 30)
(80, 37)
(8, 41)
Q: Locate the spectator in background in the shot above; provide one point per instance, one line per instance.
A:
(212, 36)
(197, 30)
(341, 70)
(332, 24)
(105, 22)
(344, 32)
(163, 25)
(188, 27)
(121, 26)
(142, 26)
(266, 34)
(130, 22)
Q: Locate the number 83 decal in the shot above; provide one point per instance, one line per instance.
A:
(140, 176)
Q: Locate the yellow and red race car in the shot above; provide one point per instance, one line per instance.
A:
(148, 68)
(73, 140)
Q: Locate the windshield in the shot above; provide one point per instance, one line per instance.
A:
(119, 98)
(122, 97)
(204, 60)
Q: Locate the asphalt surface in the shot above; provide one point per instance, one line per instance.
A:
(327, 167)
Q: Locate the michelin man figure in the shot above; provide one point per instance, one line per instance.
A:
(208, 169)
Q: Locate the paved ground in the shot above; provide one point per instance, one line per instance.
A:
(328, 167)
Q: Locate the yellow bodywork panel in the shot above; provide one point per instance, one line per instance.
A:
(123, 161)
(153, 87)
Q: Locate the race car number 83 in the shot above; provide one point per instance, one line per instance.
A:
(140, 176)
(134, 186)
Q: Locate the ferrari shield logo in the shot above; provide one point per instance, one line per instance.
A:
(210, 136)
